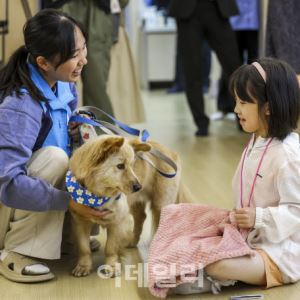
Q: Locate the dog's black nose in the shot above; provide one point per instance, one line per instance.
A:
(136, 187)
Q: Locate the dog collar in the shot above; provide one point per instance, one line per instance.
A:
(83, 196)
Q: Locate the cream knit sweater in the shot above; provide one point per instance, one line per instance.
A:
(276, 197)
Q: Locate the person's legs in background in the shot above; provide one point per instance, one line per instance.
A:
(206, 23)
(223, 41)
(247, 41)
(95, 73)
(190, 37)
(226, 50)
(223, 109)
(179, 82)
(206, 58)
(250, 38)
(98, 26)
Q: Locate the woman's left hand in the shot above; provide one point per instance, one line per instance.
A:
(74, 133)
(245, 217)
(73, 128)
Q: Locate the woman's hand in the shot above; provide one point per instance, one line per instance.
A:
(86, 212)
(73, 128)
(245, 217)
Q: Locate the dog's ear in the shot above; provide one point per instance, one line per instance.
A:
(139, 146)
(106, 148)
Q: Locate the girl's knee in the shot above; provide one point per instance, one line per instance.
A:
(219, 270)
(249, 269)
(214, 269)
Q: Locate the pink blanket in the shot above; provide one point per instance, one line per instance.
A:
(189, 237)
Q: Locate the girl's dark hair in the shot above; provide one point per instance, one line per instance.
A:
(50, 33)
(281, 92)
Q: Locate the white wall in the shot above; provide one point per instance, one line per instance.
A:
(14, 39)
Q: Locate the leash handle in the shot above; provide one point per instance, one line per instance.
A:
(92, 112)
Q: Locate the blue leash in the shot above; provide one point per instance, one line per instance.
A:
(142, 135)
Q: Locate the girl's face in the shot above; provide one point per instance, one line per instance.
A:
(70, 70)
(249, 117)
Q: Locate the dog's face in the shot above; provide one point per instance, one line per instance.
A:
(105, 165)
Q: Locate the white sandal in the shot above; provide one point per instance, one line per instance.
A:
(13, 267)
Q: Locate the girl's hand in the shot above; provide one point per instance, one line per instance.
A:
(86, 212)
(245, 217)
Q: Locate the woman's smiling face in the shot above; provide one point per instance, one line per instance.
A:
(70, 70)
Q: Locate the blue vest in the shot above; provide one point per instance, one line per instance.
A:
(57, 108)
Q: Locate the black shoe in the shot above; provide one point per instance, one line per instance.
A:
(202, 132)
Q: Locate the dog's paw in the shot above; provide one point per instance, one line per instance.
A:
(110, 271)
(80, 271)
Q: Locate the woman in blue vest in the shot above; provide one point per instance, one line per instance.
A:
(37, 96)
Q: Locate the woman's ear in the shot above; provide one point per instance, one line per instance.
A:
(42, 63)
(267, 109)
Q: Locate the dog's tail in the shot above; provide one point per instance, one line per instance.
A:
(185, 195)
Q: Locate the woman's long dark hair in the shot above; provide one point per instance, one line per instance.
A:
(50, 33)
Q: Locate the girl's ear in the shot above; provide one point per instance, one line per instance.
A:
(42, 63)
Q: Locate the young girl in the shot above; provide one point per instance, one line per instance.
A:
(37, 96)
(266, 184)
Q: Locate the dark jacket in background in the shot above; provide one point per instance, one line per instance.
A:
(181, 9)
(102, 4)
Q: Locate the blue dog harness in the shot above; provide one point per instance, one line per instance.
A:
(83, 196)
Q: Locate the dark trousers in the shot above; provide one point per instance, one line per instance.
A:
(205, 24)
(247, 44)
(206, 64)
(247, 41)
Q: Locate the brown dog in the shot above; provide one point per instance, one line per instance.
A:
(156, 189)
(108, 165)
